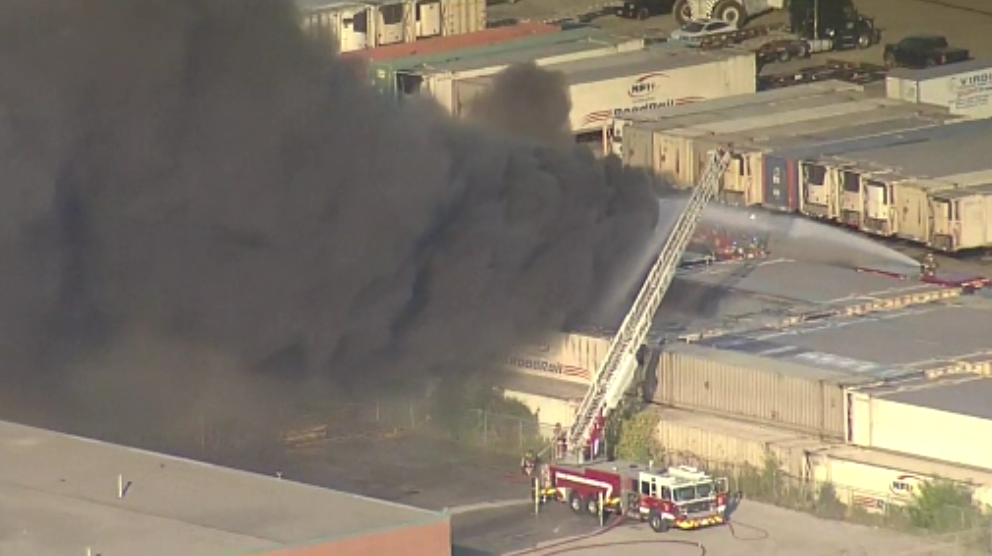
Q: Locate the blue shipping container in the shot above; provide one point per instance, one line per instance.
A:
(781, 184)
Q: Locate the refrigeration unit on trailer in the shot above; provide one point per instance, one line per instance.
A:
(348, 26)
(962, 217)
(446, 18)
(964, 88)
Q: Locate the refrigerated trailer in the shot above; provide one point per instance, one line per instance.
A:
(601, 89)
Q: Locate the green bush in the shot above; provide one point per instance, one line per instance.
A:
(475, 412)
(941, 506)
(827, 504)
(635, 437)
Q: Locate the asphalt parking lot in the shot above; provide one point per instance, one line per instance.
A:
(964, 22)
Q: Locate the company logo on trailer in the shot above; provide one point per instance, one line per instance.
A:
(905, 485)
(979, 80)
(645, 85)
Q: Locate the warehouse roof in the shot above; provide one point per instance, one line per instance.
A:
(967, 395)
(882, 344)
(59, 495)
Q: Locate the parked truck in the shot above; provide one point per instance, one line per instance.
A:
(734, 11)
(814, 27)
(923, 51)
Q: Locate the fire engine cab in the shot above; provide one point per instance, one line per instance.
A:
(681, 497)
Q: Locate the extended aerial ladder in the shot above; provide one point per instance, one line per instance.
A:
(619, 367)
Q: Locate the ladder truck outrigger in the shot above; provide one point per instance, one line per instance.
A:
(681, 497)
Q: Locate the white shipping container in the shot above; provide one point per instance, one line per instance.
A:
(760, 389)
(440, 84)
(929, 433)
(637, 147)
(549, 410)
(705, 440)
(964, 88)
(871, 479)
(962, 217)
(569, 357)
(460, 17)
(346, 26)
(395, 21)
(650, 79)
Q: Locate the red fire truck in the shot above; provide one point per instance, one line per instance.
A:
(681, 497)
(724, 244)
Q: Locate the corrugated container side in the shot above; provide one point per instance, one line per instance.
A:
(912, 209)
(781, 184)
(711, 442)
(638, 147)
(439, 45)
(698, 383)
(900, 88)
(851, 200)
(569, 357)
(463, 16)
(928, 433)
(547, 409)
(465, 93)
(862, 485)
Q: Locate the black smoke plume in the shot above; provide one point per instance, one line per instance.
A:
(203, 209)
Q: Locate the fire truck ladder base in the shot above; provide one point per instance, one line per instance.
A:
(619, 367)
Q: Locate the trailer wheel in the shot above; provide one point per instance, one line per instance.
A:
(658, 524)
(890, 60)
(643, 14)
(731, 11)
(575, 502)
(682, 11)
(592, 506)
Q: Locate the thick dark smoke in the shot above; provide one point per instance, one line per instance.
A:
(195, 196)
(528, 102)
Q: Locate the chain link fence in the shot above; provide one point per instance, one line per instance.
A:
(952, 530)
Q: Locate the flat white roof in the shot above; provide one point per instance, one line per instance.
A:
(58, 496)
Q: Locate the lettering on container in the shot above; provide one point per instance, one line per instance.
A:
(837, 362)
(970, 91)
(645, 85)
(904, 486)
(536, 365)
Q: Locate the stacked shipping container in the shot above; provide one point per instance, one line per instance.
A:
(435, 75)
(350, 25)
(899, 170)
(665, 75)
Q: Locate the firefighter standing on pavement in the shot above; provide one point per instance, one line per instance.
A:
(560, 441)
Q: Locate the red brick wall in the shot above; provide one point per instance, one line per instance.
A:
(425, 540)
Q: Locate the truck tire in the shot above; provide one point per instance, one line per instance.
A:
(731, 11)
(890, 60)
(643, 14)
(575, 502)
(658, 524)
(682, 11)
(592, 506)
(864, 41)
